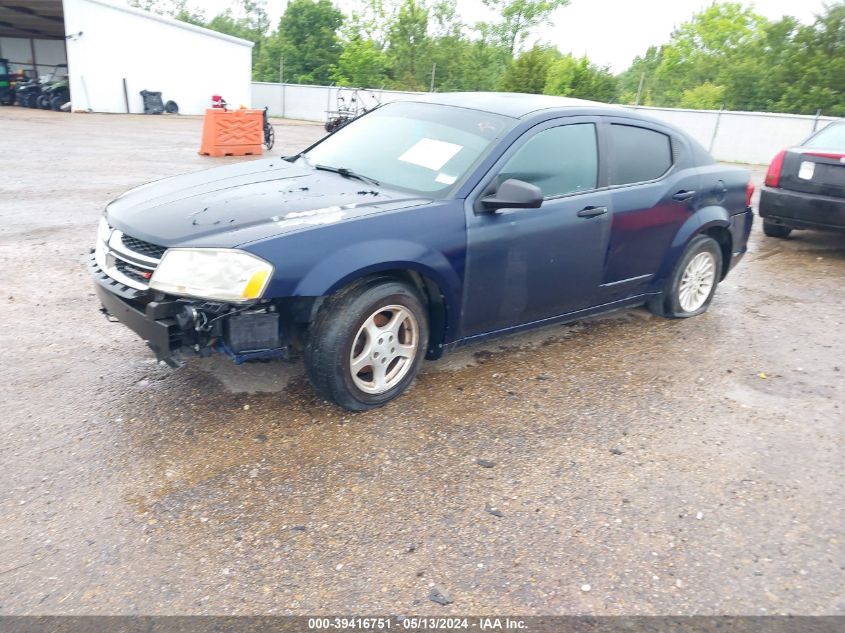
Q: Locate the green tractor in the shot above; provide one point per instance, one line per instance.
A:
(7, 95)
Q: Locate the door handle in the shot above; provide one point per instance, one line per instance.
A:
(683, 195)
(591, 212)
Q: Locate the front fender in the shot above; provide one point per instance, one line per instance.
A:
(702, 220)
(366, 258)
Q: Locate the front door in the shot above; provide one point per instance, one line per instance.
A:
(526, 265)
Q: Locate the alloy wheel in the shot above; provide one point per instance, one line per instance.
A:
(384, 349)
(698, 280)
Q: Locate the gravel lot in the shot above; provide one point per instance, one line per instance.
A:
(640, 465)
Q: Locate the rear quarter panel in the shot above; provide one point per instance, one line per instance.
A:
(720, 204)
(724, 186)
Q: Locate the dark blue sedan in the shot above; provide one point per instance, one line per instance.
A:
(421, 226)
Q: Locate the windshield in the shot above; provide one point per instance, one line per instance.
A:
(419, 147)
(831, 137)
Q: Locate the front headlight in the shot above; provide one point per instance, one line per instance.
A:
(220, 274)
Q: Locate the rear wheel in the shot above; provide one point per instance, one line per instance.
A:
(776, 230)
(269, 136)
(366, 344)
(690, 288)
(43, 102)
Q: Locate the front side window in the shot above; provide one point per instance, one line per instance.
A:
(560, 160)
(639, 154)
(419, 147)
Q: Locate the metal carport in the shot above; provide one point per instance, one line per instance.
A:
(114, 51)
(32, 34)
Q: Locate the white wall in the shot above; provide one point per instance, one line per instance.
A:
(18, 51)
(743, 137)
(310, 103)
(109, 42)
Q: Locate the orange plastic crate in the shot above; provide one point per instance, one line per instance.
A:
(232, 132)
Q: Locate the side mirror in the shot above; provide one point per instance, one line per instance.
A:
(514, 194)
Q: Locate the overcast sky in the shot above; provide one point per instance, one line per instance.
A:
(609, 32)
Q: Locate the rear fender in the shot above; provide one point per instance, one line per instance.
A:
(700, 222)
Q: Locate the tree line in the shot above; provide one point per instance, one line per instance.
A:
(726, 56)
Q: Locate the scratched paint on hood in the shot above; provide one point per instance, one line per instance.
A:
(325, 215)
(237, 204)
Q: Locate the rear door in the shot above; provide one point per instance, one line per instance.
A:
(654, 189)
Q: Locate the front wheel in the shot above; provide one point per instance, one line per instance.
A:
(690, 289)
(776, 230)
(366, 345)
(269, 136)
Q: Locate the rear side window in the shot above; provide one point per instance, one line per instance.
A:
(639, 154)
(559, 160)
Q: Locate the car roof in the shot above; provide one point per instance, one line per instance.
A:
(512, 104)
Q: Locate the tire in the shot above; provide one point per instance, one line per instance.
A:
(57, 102)
(269, 136)
(776, 230)
(690, 289)
(353, 323)
(43, 102)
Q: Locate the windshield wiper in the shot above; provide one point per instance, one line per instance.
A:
(348, 173)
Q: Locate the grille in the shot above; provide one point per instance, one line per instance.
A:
(142, 247)
(133, 272)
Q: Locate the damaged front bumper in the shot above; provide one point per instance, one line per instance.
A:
(160, 334)
(173, 326)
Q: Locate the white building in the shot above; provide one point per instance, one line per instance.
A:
(114, 52)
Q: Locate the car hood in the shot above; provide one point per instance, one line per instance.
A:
(236, 204)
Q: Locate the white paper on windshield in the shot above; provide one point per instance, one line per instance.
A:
(445, 179)
(430, 153)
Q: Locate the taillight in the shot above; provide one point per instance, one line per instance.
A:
(773, 174)
(749, 193)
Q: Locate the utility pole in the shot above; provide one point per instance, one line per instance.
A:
(640, 89)
(433, 69)
(282, 81)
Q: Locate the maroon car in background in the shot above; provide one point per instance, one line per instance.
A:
(805, 185)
